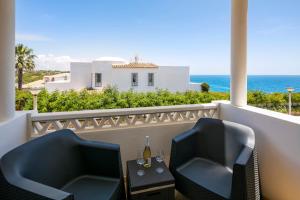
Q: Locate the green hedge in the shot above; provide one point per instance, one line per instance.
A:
(112, 98)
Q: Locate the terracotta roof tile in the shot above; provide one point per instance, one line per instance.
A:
(135, 65)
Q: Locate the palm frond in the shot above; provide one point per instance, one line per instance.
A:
(24, 57)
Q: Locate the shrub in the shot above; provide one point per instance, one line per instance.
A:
(111, 98)
(24, 100)
(205, 87)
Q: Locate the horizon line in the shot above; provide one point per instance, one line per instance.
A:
(247, 74)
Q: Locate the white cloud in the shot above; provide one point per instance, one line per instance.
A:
(32, 37)
(52, 62)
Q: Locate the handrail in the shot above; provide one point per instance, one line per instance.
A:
(43, 123)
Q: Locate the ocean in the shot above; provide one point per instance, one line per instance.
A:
(265, 83)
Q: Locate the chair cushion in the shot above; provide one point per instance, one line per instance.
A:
(208, 174)
(92, 187)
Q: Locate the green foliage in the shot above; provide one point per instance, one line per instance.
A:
(273, 101)
(205, 87)
(24, 100)
(24, 58)
(111, 98)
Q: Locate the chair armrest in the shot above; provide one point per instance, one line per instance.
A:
(245, 181)
(22, 188)
(102, 159)
(183, 148)
(244, 157)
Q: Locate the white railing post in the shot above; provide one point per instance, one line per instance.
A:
(238, 84)
(7, 59)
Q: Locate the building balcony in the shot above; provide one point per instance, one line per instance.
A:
(277, 135)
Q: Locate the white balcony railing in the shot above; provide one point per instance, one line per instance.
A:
(81, 121)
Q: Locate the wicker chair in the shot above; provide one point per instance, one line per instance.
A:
(216, 160)
(60, 165)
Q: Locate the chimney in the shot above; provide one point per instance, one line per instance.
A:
(136, 59)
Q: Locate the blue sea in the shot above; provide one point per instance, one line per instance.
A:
(265, 83)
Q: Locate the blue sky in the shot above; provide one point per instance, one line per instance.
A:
(193, 33)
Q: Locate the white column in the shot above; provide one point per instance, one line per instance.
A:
(7, 59)
(238, 84)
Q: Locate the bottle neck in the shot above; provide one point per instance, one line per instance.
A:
(147, 142)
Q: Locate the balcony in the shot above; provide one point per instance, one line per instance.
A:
(127, 127)
(277, 134)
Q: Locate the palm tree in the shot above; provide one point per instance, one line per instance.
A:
(24, 62)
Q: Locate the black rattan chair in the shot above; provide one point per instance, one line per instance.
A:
(216, 160)
(60, 165)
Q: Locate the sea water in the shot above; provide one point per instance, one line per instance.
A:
(265, 83)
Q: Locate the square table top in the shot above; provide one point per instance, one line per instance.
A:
(151, 178)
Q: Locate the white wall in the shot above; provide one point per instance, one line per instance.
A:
(81, 73)
(133, 139)
(63, 78)
(105, 68)
(278, 145)
(174, 78)
(52, 86)
(122, 79)
(13, 132)
(195, 86)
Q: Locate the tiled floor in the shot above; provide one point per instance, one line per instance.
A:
(179, 196)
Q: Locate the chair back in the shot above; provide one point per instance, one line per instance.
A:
(53, 159)
(222, 141)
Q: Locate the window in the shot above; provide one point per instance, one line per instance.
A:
(134, 79)
(150, 79)
(98, 80)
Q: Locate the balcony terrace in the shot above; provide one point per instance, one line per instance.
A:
(277, 135)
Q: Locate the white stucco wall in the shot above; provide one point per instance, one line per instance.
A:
(13, 132)
(52, 86)
(121, 78)
(105, 68)
(195, 86)
(277, 140)
(132, 140)
(57, 77)
(173, 78)
(80, 78)
(81, 75)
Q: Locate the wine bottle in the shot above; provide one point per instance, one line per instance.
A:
(147, 153)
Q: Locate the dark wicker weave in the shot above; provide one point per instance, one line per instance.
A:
(216, 160)
(62, 166)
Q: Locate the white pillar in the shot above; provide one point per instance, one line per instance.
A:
(238, 84)
(7, 59)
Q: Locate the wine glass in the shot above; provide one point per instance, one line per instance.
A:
(139, 159)
(160, 156)
(140, 162)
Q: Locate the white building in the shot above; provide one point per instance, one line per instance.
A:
(110, 71)
(57, 77)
